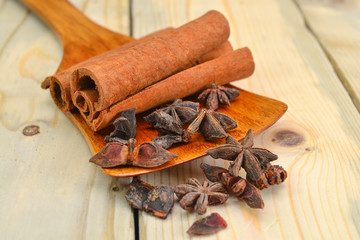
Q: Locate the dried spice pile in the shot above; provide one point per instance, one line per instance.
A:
(177, 123)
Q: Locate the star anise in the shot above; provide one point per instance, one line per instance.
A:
(207, 225)
(158, 201)
(274, 174)
(172, 117)
(234, 185)
(218, 95)
(125, 127)
(195, 196)
(243, 154)
(211, 125)
(137, 193)
(121, 149)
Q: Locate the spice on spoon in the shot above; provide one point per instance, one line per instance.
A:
(121, 149)
(218, 95)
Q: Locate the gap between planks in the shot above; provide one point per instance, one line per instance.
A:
(340, 75)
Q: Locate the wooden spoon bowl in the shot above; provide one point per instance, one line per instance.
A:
(83, 39)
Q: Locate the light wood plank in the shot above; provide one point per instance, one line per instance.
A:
(49, 190)
(320, 198)
(336, 24)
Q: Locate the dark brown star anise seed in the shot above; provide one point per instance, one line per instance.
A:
(137, 193)
(195, 196)
(243, 154)
(207, 225)
(234, 185)
(218, 95)
(170, 119)
(211, 125)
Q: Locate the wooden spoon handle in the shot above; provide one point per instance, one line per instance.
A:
(81, 37)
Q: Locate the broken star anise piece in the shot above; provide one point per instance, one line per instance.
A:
(211, 125)
(125, 127)
(207, 225)
(164, 122)
(218, 95)
(194, 196)
(234, 185)
(147, 155)
(166, 141)
(137, 193)
(244, 155)
(159, 201)
(274, 174)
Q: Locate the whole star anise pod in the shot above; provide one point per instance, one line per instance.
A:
(195, 196)
(121, 149)
(234, 185)
(218, 95)
(211, 125)
(172, 117)
(243, 154)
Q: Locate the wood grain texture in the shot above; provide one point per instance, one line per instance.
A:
(48, 189)
(336, 25)
(317, 140)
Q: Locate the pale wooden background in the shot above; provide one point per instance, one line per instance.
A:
(307, 54)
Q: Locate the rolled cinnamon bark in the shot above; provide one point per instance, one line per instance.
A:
(233, 66)
(59, 83)
(117, 77)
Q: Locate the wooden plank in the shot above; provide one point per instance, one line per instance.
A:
(49, 190)
(336, 24)
(317, 140)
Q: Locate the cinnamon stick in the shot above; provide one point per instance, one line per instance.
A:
(236, 65)
(59, 83)
(116, 77)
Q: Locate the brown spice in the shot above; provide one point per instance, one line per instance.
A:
(211, 125)
(253, 160)
(236, 65)
(207, 225)
(235, 185)
(121, 150)
(146, 155)
(137, 193)
(218, 95)
(117, 77)
(195, 196)
(159, 201)
(181, 111)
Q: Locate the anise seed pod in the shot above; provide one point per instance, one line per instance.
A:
(137, 193)
(147, 155)
(218, 95)
(160, 201)
(125, 127)
(207, 225)
(211, 124)
(234, 185)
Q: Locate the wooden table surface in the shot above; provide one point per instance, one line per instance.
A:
(307, 54)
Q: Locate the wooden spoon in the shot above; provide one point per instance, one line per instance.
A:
(83, 39)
